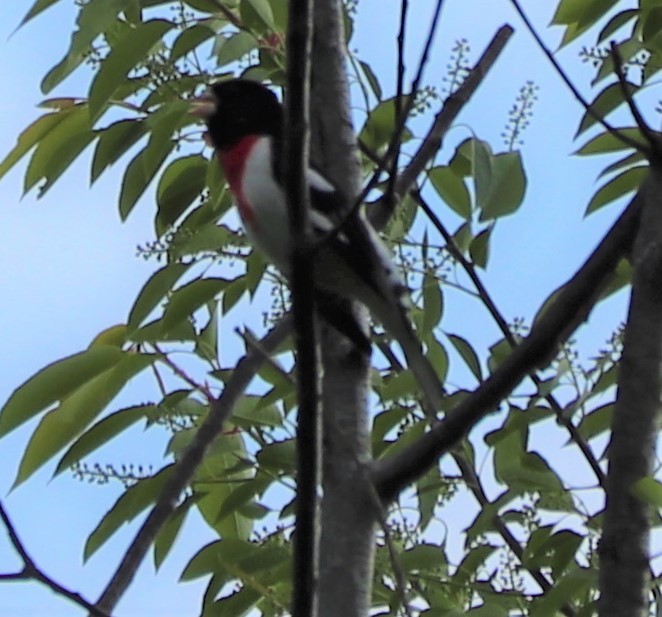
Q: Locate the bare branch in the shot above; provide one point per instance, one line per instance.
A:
(32, 572)
(400, 119)
(220, 411)
(295, 164)
(570, 308)
(380, 213)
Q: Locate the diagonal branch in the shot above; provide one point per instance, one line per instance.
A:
(31, 571)
(380, 213)
(572, 305)
(491, 307)
(220, 411)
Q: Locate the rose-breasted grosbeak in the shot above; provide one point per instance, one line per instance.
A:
(245, 123)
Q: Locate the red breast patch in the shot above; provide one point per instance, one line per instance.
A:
(233, 162)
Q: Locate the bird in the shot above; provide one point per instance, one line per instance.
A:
(244, 121)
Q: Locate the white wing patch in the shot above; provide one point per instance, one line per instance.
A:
(318, 182)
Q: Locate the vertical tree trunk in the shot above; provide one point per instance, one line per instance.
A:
(348, 529)
(624, 552)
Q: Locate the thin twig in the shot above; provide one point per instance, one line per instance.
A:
(219, 412)
(568, 82)
(646, 131)
(32, 572)
(397, 134)
(400, 77)
(308, 444)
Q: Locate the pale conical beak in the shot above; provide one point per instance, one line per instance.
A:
(204, 106)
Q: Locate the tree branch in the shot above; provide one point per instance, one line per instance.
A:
(491, 307)
(623, 550)
(571, 307)
(220, 411)
(31, 571)
(380, 212)
(348, 521)
(295, 165)
(575, 92)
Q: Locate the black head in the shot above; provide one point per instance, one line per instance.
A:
(235, 108)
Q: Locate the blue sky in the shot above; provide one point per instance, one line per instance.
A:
(69, 268)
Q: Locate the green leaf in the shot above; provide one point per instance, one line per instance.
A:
(433, 303)
(211, 237)
(470, 564)
(461, 162)
(181, 182)
(153, 292)
(58, 148)
(278, 457)
(648, 490)
(574, 585)
(205, 561)
(468, 354)
(244, 493)
(206, 344)
(114, 141)
(165, 539)
(627, 49)
(480, 247)
(608, 142)
(380, 125)
(579, 16)
(617, 22)
(37, 7)
(651, 27)
(132, 502)
(102, 432)
(249, 412)
(597, 422)
(233, 47)
(257, 15)
(372, 79)
(624, 183)
(505, 191)
(125, 55)
(55, 382)
(31, 136)
(423, 557)
(95, 17)
(154, 332)
(190, 297)
(452, 189)
(64, 423)
(233, 293)
(216, 479)
(142, 169)
(604, 103)
(189, 39)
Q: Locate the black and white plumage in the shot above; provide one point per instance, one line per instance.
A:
(244, 121)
